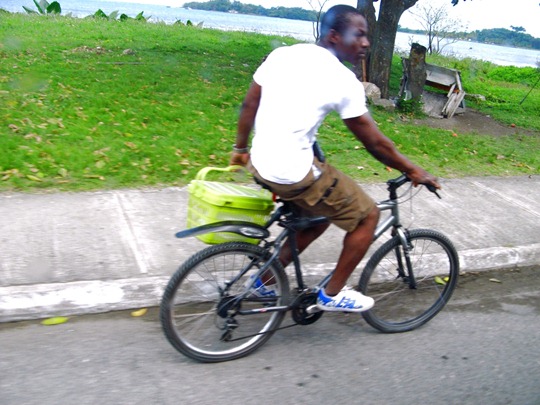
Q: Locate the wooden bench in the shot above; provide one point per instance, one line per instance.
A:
(440, 78)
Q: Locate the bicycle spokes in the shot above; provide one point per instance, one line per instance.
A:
(403, 282)
(210, 310)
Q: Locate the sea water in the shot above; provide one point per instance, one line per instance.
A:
(302, 30)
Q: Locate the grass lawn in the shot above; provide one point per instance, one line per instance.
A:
(92, 104)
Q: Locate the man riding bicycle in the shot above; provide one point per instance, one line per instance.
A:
(292, 92)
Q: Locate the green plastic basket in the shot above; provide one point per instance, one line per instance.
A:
(214, 201)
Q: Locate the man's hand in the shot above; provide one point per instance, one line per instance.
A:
(420, 176)
(239, 159)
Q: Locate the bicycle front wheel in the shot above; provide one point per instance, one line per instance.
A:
(211, 310)
(410, 285)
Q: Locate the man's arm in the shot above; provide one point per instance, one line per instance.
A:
(245, 124)
(383, 149)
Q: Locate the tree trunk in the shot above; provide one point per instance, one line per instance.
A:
(417, 71)
(368, 11)
(382, 38)
(383, 44)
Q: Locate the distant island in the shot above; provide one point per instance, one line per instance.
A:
(495, 36)
(498, 36)
(227, 6)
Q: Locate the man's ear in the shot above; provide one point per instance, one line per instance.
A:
(334, 36)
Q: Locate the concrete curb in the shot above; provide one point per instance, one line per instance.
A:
(85, 297)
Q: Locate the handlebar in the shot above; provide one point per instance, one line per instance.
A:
(396, 183)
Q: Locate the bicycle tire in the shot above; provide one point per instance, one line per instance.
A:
(191, 308)
(399, 307)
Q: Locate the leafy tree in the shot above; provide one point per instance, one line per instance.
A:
(294, 13)
(382, 36)
(437, 24)
(318, 8)
(505, 37)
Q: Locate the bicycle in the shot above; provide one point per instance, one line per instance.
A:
(211, 311)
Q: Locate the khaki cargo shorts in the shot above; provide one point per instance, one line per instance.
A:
(333, 195)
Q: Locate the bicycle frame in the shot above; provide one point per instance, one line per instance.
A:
(291, 228)
(207, 306)
(292, 223)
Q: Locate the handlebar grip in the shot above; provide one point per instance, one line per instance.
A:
(433, 190)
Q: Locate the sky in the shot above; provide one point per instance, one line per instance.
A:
(475, 14)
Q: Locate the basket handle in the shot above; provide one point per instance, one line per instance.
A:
(203, 172)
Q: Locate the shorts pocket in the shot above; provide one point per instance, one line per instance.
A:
(335, 197)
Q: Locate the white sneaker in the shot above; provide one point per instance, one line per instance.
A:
(347, 300)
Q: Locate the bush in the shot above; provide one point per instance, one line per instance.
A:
(525, 75)
(412, 107)
(44, 7)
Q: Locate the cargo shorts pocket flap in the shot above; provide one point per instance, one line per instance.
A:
(318, 191)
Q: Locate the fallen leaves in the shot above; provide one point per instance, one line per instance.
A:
(56, 320)
(36, 137)
(88, 49)
(7, 174)
(33, 178)
(139, 312)
(94, 176)
(441, 281)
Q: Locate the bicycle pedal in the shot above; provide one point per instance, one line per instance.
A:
(313, 309)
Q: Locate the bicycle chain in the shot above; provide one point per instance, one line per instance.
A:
(299, 314)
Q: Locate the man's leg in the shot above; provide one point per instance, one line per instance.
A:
(355, 246)
(303, 240)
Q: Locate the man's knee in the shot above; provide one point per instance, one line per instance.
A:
(372, 218)
(367, 225)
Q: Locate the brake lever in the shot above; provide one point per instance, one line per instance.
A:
(433, 190)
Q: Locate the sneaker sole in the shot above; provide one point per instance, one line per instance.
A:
(338, 309)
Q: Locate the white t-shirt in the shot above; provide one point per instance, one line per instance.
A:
(301, 84)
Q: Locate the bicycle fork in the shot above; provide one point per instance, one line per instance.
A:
(404, 271)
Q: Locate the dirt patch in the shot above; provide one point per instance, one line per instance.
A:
(87, 49)
(473, 122)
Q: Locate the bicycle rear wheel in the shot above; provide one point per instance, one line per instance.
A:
(205, 311)
(408, 293)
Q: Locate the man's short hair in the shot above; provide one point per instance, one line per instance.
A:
(337, 18)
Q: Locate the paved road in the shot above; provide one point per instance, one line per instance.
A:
(482, 349)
